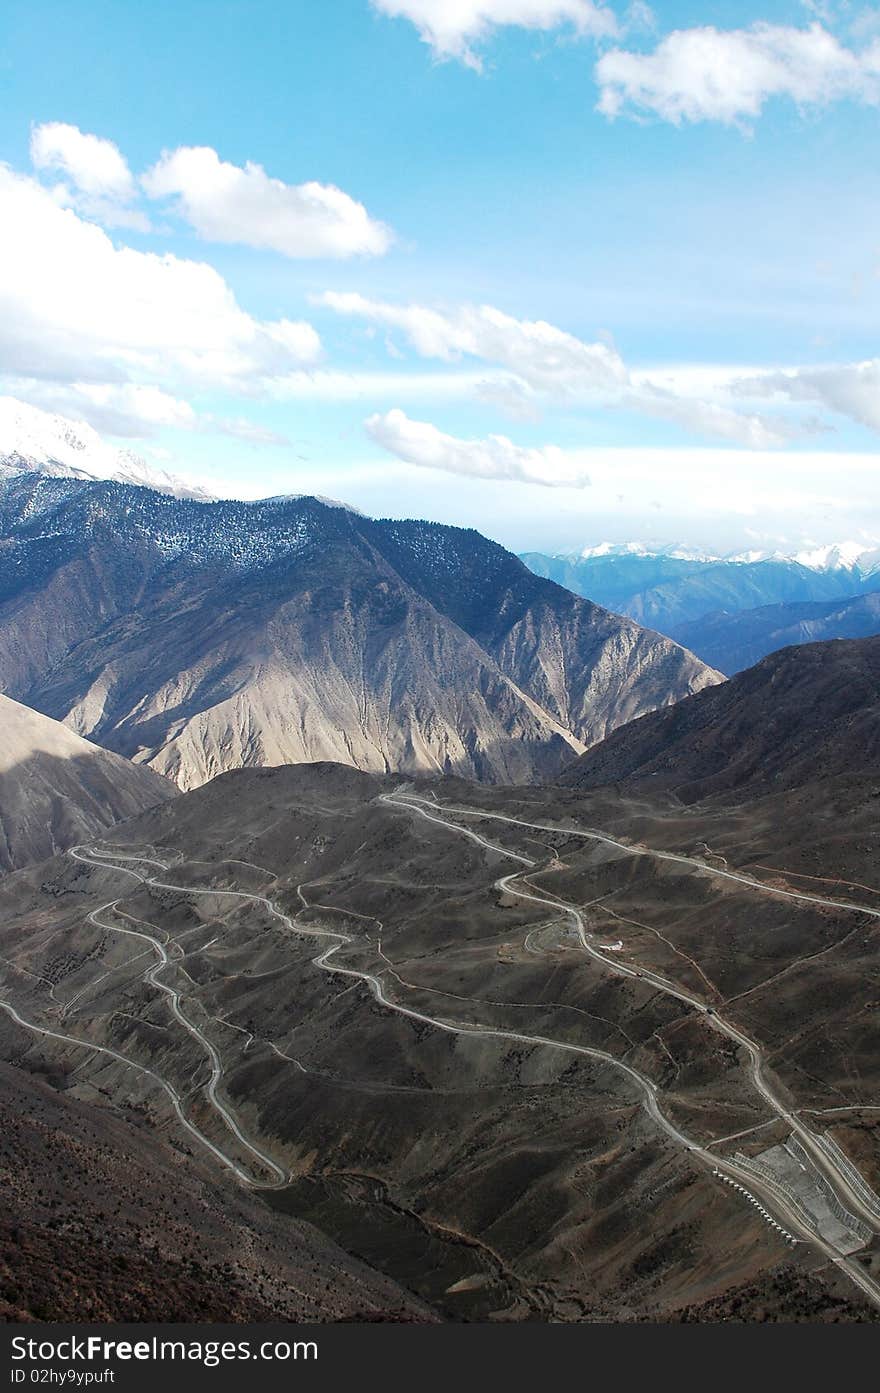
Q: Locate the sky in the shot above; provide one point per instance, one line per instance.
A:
(567, 272)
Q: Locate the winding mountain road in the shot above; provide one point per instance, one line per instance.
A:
(835, 1174)
(644, 1086)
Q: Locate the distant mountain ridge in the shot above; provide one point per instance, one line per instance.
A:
(40, 442)
(668, 588)
(732, 642)
(200, 637)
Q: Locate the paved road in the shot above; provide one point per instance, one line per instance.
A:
(176, 1102)
(836, 1176)
(645, 1086)
(151, 976)
(631, 848)
(827, 1165)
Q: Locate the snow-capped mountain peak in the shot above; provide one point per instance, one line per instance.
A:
(861, 556)
(674, 550)
(841, 555)
(41, 442)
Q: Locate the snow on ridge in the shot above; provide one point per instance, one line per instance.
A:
(860, 556)
(318, 497)
(841, 556)
(33, 441)
(673, 550)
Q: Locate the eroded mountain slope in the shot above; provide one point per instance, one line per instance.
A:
(201, 637)
(56, 788)
(800, 715)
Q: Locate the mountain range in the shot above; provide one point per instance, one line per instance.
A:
(730, 610)
(669, 587)
(198, 637)
(458, 1128)
(732, 642)
(40, 442)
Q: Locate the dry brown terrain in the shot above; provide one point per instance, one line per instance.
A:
(201, 637)
(489, 1174)
(104, 1218)
(802, 715)
(56, 788)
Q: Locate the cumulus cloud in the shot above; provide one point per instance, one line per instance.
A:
(76, 308)
(848, 389)
(99, 181)
(709, 74)
(453, 27)
(93, 164)
(495, 457)
(225, 203)
(542, 357)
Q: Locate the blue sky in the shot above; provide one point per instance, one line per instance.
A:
(686, 201)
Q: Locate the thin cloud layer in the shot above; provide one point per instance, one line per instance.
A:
(848, 389)
(549, 365)
(709, 74)
(454, 28)
(495, 457)
(544, 358)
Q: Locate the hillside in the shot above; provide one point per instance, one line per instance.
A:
(200, 637)
(732, 642)
(802, 714)
(181, 1246)
(56, 788)
(509, 1120)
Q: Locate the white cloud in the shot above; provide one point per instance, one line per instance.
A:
(76, 308)
(117, 408)
(241, 429)
(100, 182)
(848, 389)
(548, 364)
(453, 27)
(94, 164)
(543, 357)
(727, 500)
(709, 74)
(712, 418)
(495, 457)
(225, 203)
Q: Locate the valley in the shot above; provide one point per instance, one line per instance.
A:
(439, 684)
(476, 1038)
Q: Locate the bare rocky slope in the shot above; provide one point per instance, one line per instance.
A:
(800, 715)
(201, 637)
(56, 788)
